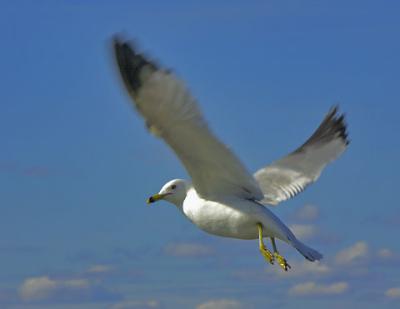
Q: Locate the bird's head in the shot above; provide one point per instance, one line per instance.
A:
(173, 191)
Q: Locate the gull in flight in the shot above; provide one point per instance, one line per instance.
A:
(223, 198)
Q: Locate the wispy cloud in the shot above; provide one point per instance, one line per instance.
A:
(31, 171)
(385, 253)
(99, 269)
(303, 231)
(393, 292)
(39, 289)
(188, 250)
(353, 253)
(136, 304)
(312, 288)
(220, 304)
(307, 213)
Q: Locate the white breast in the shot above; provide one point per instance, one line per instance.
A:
(226, 218)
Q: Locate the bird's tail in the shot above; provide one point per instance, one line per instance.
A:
(309, 253)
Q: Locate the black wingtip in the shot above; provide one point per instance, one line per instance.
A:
(332, 127)
(338, 124)
(130, 63)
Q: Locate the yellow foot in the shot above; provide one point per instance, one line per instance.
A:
(267, 255)
(282, 261)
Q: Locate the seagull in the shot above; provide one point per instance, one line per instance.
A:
(223, 198)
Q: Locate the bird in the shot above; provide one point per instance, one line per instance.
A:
(223, 198)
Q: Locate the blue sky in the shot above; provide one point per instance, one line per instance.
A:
(77, 164)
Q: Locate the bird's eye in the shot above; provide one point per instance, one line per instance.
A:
(173, 187)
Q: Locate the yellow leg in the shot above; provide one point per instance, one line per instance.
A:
(264, 251)
(281, 260)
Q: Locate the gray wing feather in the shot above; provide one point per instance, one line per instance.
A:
(289, 176)
(172, 114)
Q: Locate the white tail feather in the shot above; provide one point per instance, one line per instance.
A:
(309, 253)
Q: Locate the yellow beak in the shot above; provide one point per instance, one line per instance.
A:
(155, 198)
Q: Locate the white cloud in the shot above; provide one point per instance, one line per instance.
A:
(220, 304)
(135, 304)
(41, 288)
(188, 250)
(393, 293)
(385, 253)
(303, 231)
(357, 251)
(37, 288)
(307, 213)
(312, 288)
(98, 269)
(303, 268)
(75, 283)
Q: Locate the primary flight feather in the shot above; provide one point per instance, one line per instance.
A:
(223, 198)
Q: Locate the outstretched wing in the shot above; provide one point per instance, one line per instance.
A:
(172, 114)
(289, 176)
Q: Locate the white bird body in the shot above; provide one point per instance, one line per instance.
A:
(233, 217)
(230, 216)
